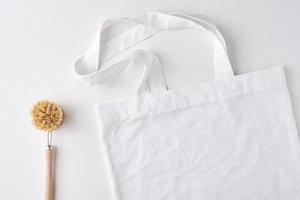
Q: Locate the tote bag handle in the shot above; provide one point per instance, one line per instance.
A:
(90, 67)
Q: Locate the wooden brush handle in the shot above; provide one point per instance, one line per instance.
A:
(49, 173)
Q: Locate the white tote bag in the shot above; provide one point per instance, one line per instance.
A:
(233, 138)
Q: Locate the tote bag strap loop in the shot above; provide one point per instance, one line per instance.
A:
(90, 67)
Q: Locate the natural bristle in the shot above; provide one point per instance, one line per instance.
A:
(46, 116)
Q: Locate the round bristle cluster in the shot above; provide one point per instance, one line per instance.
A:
(46, 116)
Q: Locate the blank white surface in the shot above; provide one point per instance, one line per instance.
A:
(41, 40)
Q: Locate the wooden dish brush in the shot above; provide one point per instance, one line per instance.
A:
(47, 116)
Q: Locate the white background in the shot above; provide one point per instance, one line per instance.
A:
(40, 41)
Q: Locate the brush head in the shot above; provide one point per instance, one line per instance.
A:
(46, 115)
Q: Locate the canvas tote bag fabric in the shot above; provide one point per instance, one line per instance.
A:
(231, 138)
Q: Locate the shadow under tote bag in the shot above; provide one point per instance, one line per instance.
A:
(231, 138)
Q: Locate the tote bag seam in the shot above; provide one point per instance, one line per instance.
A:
(184, 106)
